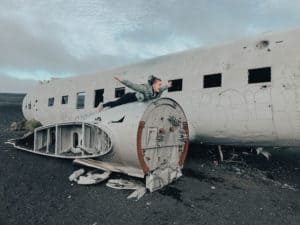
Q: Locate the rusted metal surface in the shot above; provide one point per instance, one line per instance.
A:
(139, 147)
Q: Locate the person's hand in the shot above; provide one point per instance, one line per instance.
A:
(169, 83)
(118, 79)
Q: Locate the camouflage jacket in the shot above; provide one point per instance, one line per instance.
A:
(144, 92)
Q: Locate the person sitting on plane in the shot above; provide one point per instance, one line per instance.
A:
(144, 92)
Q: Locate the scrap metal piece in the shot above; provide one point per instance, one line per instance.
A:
(139, 192)
(76, 174)
(93, 178)
(121, 184)
(261, 151)
(114, 167)
(220, 153)
(66, 140)
(162, 177)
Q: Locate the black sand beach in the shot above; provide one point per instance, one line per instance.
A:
(252, 190)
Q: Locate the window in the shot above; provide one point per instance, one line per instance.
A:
(119, 92)
(80, 100)
(52, 137)
(75, 140)
(64, 99)
(212, 80)
(259, 75)
(50, 101)
(176, 85)
(98, 97)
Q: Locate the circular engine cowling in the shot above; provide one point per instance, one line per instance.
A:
(148, 139)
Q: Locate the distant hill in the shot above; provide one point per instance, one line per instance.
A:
(11, 99)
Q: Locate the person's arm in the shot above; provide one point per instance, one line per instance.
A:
(131, 85)
(165, 87)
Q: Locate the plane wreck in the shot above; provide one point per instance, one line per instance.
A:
(66, 140)
(146, 140)
(238, 94)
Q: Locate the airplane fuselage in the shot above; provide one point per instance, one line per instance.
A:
(242, 93)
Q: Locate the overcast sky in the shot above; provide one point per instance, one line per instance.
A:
(40, 39)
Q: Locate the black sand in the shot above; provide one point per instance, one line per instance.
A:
(36, 190)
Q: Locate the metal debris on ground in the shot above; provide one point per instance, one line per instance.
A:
(279, 184)
(162, 177)
(261, 151)
(290, 187)
(91, 177)
(220, 153)
(139, 192)
(74, 176)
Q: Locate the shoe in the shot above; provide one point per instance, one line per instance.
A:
(106, 108)
(100, 107)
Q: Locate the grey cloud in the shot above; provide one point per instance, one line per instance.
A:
(11, 84)
(21, 49)
(77, 37)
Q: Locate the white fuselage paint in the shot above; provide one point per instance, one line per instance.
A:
(237, 113)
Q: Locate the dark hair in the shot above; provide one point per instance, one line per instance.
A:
(152, 79)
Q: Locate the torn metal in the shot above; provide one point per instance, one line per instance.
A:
(141, 139)
(66, 140)
(139, 189)
(261, 151)
(74, 176)
(93, 177)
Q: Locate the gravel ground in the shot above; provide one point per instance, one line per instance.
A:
(250, 190)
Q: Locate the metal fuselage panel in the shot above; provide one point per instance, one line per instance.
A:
(264, 114)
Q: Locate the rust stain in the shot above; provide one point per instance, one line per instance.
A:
(139, 147)
(186, 143)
